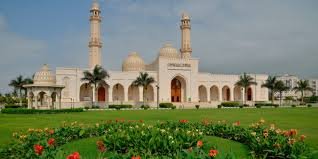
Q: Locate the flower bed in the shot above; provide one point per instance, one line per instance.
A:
(39, 111)
(182, 139)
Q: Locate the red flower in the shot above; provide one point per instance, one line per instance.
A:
(51, 141)
(101, 146)
(238, 123)
(74, 155)
(141, 121)
(51, 132)
(183, 121)
(38, 149)
(293, 132)
(213, 153)
(137, 157)
(302, 137)
(199, 143)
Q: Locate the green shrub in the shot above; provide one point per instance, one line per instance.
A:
(14, 106)
(276, 105)
(173, 107)
(197, 106)
(86, 107)
(165, 105)
(219, 106)
(266, 104)
(293, 105)
(119, 106)
(258, 106)
(309, 105)
(39, 111)
(241, 106)
(230, 104)
(302, 103)
(145, 107)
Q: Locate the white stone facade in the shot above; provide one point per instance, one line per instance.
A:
(176, 73)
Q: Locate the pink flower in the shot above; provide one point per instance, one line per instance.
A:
(38, 149)
(74, 155)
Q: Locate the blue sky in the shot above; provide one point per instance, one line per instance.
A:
(228, 36)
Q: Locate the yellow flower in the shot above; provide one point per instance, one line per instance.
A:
(262, 121)
(253, 133)
(272, 127)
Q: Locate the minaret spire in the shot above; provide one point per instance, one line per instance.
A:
(185, 27)
(95, 43)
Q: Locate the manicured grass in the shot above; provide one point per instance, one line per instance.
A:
(303, 119)
(87, 147)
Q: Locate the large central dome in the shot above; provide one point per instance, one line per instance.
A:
(133, 63)
(167, 51)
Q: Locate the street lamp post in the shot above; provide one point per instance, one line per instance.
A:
(157, 86)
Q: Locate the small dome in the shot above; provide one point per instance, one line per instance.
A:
(167, 51)
(133, 63)
(44, 76)
(185, 16)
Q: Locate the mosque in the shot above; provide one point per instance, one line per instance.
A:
(175, 71)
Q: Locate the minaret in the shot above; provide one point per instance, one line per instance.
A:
(185, 27)
(95, 43)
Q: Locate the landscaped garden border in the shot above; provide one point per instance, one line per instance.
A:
(125, 138)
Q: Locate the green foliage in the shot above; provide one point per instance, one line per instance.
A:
(162, 140)
(38, 111)
(145, 107)
(219, 106)
(309, 105)
(197, 106)
(266, 104)
(120, 106)
(166, 105)
(230, 104)
(14, 106)
(293, 105)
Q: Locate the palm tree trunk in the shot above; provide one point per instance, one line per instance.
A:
(272, 96)
(245, 96)
(143, 95)
(280, 98)
(302, 96)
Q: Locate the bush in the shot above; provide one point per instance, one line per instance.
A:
(309, 105)
(266, 104)
(39, 111)
(165, 105)
(293, 105)
(219, 106)
(230, 104)
(276, 105)
(120, 106)
(197, 106)
(258, 106)
(145, 107)
(95, 107)
(86, 107)
(14, 106)
(302, 103)
(241, 106)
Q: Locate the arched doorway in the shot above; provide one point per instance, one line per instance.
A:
(237, 93)
(203, 97)
(133, 93)
(53, 96)
(149, 94)
(214, 93)
(101, 94)
(226, 93)
(86, 92)
(249, 94)
(118, 92)
(42, 98)
(178, 89)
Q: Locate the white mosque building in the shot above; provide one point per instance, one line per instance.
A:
(175, 71)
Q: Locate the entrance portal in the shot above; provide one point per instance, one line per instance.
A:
(175, 90)
(101, 94)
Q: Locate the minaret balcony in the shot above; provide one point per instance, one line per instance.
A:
(185, 27)
(98, 18)
(182, 50)
(95, 43)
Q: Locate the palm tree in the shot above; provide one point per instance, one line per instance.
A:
(280, 87)
(245, 81)
(143, 80)
(270, 84)
(95, 77)
(27, 81)
(17, 85)
(302, 86)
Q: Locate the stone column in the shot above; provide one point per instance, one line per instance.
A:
(36, 102)
(208, 95)
(49, 102)
(60, 100)
(125, 94)
(141, 90)
(29, 102)
(94, 95)
(110, 94)
(231, 94)
(220, 95)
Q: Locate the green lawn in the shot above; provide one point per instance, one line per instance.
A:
(303, 119)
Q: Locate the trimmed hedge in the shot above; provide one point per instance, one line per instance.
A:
(14, 106)
(145, 107)
(230, 104)
(39, 111)
(119, 106)
(266, 104)
(165, 105)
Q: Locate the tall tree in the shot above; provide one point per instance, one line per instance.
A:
(143, 80)
(302, 86)
(280, 87)
(95, 77)
(27, 81)
(17, 85)
(270, 84)
(245, 81)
